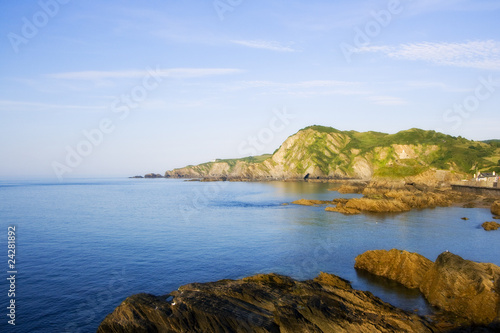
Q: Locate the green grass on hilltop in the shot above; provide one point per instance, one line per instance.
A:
(330, 149)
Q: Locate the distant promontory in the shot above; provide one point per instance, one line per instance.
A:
(325, 153)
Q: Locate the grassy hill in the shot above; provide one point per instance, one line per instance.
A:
(325, 152)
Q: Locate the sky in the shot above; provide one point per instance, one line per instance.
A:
(122, 88)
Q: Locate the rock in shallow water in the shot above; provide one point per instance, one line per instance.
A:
(402, 266)
(466, 288)
(263, 303)
(488, 226)
(495, 208)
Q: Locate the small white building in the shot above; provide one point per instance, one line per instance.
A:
(486, 177)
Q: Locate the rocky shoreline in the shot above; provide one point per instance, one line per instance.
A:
(398, 196)
(465, 293)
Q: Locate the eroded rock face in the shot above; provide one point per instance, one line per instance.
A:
(466, 288)
(495, 208)
(402, 266)
(263, 303)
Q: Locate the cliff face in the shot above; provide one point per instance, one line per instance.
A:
(324, 152)
(263, 303)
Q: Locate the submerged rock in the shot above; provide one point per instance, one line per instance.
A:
(263, 303)
(489, 226)
(402, 266)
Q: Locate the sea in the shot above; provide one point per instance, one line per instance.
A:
(83, 245)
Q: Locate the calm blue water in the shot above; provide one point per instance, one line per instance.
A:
(85, 245)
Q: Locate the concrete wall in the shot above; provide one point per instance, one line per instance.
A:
(491, 191)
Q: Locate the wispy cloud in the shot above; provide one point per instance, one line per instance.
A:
(300, 84)
(267, 45)
(472, 54)
(132, 74)
(305, 88)
(425, 6)
(9, 105)
(386, 100)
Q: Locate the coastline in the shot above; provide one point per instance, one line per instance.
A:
(327, 303)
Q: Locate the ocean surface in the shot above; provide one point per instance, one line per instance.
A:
(84, 245)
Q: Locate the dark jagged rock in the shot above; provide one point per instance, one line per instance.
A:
(263, 303)
(402, 266)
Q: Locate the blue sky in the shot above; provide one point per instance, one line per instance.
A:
(94, 88)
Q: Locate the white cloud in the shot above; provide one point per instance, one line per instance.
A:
(305, 88)
(8, 105)
(386, 100)
(262, 44)
(132, 74)
(424, 6)
(472, 54)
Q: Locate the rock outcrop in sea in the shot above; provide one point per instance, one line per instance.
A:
(467, 289)
(263, 303)
(404, 267)
(495, 208)
(489, 226)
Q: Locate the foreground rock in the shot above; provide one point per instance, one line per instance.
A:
(489, 226)
(263, 303)
(401, 266)
(495, 208)
(468, 290)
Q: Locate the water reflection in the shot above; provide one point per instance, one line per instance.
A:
(408, 299)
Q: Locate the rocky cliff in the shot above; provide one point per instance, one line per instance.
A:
(319, 152)
(263, 303)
